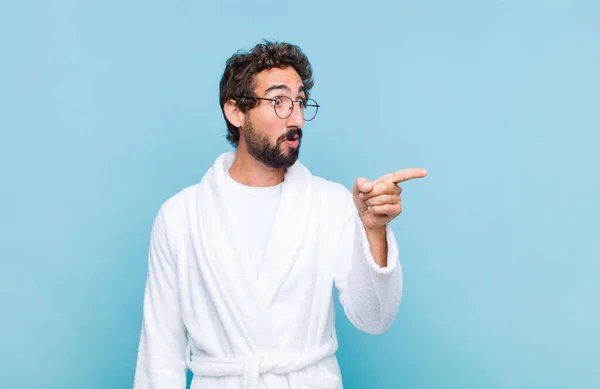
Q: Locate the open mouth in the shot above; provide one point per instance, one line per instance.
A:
(294, 141)
(292, 138)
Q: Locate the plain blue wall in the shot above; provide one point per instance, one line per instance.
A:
(108, 108)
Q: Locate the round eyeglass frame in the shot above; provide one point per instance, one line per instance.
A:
(306, 103)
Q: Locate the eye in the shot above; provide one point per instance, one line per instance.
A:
(301, 104)
(276, 102)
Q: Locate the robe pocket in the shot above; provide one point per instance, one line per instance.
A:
(328, 381)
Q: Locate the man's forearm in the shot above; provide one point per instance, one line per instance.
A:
(378, 242)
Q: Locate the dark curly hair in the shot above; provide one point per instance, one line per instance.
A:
(238, 77)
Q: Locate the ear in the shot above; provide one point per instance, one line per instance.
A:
(234, 114)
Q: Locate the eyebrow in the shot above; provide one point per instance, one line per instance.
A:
(276, 87)
(286, 88)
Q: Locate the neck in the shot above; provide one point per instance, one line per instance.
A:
(248, 171)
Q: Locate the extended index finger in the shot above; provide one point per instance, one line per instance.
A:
(408, 174)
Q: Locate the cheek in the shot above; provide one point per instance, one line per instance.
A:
(271, 127)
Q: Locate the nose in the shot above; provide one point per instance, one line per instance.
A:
(296, 119)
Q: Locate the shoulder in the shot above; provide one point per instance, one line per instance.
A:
(173, 212)
(333, 194)
(331, 188)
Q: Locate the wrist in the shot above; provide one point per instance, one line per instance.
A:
(380, 230)
(378, 244)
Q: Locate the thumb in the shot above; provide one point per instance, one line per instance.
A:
(362, 185)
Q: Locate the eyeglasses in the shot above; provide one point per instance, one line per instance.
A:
(284, 106)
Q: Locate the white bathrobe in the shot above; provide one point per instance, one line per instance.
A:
(207, 309)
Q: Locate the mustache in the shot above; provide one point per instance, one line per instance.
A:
(291, 134)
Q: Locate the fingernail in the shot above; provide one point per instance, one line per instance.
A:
(369, 209)
(361, 196)
(366, 186)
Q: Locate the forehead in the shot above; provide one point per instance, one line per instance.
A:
(276, 76)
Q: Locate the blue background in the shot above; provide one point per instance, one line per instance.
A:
(109, 108)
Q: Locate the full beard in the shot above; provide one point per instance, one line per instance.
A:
(261, 149)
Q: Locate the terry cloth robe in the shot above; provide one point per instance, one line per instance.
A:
(206, 308)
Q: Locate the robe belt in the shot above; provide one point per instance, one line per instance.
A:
(252, 367)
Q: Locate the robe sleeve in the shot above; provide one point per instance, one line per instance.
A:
(369, 294)
(161, 360)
